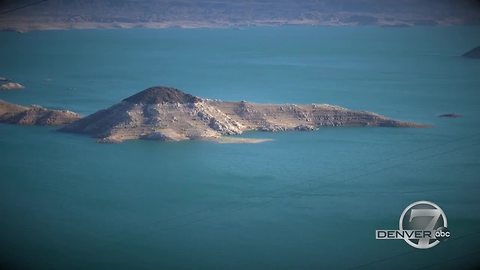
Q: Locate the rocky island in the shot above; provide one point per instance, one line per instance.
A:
(6, 84)
(168, 114)
(34, 115)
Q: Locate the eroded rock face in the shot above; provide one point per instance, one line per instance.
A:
(168, 114)
(34, 115)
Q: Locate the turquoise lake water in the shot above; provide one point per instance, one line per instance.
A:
(306, 200)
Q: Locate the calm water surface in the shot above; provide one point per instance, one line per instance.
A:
(307, 200)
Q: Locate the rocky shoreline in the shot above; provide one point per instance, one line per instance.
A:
(20, 27)
(34, 115)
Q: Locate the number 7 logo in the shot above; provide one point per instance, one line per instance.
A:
(423, 216)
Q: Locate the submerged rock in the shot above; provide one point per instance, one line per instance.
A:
(473, 53)
(168, 114)
(450, 115)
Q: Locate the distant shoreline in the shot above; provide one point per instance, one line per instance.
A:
(24, 27)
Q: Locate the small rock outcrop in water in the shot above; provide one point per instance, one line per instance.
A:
(473, 53)
(163, 113)
(34, 115)
(6, 84)
(450, 115)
